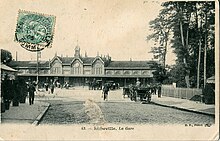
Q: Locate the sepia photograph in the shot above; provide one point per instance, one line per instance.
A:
(109, 70)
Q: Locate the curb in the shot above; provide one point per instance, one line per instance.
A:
(184, 109)
(39, 117)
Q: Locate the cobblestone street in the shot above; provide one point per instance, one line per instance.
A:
(68, 107)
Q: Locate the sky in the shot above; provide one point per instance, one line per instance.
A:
(115, 27)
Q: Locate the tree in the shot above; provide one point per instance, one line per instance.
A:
(6, 56)
(161, 28)
(208, 11)
(192, 25)
(160, 74)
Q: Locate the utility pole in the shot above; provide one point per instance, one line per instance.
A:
(37, 67)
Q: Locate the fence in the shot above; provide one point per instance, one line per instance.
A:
(183, 93)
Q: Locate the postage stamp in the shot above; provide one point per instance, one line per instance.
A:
(34, 31)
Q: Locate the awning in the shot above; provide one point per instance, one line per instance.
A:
(211, 79)
(7, 68)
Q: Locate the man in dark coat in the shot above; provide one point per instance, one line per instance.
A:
(52, 86)
(31, 91)
(105, 91)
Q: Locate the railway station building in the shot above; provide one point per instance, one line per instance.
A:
(78, 70)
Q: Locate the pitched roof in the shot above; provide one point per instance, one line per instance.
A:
(14, 64)
(87, 60)
(7, 68)
(66, 60)
(129, 64)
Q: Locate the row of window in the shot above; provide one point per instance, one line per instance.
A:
(129, 72)
(32, 71)
(79, 70)
(75, 70)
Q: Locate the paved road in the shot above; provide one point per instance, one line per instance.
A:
(81, 106)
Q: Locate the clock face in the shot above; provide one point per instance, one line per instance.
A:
(76, 64)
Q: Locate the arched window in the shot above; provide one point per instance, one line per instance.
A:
(117, 72)
(126, 72)
(76, 68)
(135, 72)
(98, 68)
(108, 72)
(56, 67)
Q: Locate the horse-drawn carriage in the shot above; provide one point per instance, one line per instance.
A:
(95, 84)
(138, 93)
(113, 85)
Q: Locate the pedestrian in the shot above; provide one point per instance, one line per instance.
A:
(105, 91)
(159, 90)
(46, 86)
(138, 83)
(90, 85)
(31, 91)
(94, 84)
(52, 86)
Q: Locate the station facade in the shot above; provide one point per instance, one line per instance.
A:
(78, 70)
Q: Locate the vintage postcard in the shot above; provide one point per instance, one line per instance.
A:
(109, 70)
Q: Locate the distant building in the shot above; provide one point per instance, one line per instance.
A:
(79, 70)
(6, 71)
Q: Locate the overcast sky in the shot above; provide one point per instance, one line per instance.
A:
(117, 27)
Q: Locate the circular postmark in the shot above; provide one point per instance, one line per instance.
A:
(34, 31)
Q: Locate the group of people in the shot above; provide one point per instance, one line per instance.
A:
(17, 90)
(49, 87)
(32, 89)
(106, 89)
(94, 85)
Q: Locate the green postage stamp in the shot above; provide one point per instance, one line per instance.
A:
(34, 31)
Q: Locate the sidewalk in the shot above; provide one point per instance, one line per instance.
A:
(184, 104)
(25, 113)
